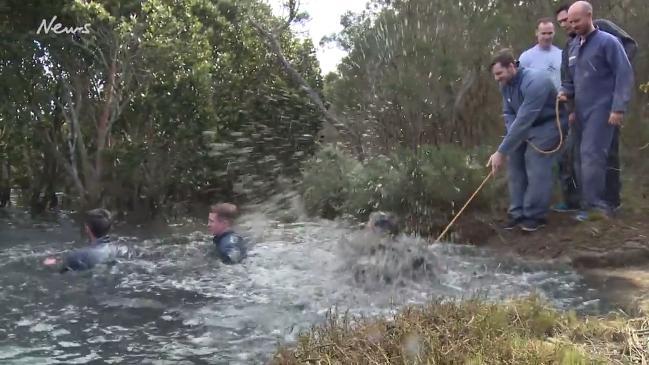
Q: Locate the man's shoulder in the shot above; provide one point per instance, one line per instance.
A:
(536, 78)
(530, 52)
(230, 238)
(606, 37)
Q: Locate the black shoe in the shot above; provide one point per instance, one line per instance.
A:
(531, 225)
(512, 223)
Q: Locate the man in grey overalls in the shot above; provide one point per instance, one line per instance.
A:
(529, 98)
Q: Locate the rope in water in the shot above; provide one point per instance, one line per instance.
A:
(558, 120)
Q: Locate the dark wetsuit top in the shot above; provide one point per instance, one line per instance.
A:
(100, 251)
(230, 247)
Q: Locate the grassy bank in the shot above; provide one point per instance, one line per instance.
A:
(524, 331)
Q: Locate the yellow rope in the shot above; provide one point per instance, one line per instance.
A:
(558, 120)
(465, 205)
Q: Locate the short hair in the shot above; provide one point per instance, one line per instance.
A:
(561, 8)
(384, 222)
(544, 20)
(227, 211)
(504, 57)
(98, 221)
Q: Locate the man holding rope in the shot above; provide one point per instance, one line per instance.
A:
(613, 185)
(529, 98)
(599, 80)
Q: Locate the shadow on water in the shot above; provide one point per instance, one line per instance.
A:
(169, 299)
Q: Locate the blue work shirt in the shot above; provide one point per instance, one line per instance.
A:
(529, 109)
(600, 76)
(230, 247)
(101, 251)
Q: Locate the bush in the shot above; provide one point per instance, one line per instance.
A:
(424, 188)
(325, 184)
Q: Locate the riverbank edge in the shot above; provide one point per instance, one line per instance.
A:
(612, 253)
(517, 331)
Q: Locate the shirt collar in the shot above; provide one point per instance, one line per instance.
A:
(517, 78)
(589, 36)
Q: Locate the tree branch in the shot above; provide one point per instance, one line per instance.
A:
(275, 46)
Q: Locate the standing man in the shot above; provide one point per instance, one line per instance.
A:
(547, 57)
(544, 55)
(613, 184)
(528, 108)
(599, 80)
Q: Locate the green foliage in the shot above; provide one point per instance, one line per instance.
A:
(325, 182)
(424, 188)
(416, 72)
(184, 70)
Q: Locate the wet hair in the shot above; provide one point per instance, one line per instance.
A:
(227, 211)
(544, 20)
(563, 7)
(98, 221)
(384, 222)
(504, 57)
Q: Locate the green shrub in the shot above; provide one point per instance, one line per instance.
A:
(424, 188)
(325, 182)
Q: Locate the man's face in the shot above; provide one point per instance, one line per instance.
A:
(545, 34)
(503, 74)
(579, 21)
(215, 225)
(562, 19)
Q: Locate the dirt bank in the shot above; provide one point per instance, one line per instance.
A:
(613, 253)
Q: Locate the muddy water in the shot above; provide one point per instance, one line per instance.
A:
(170, 301)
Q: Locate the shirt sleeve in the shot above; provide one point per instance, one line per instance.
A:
(535, 93)
(75, 260)
(525, 60)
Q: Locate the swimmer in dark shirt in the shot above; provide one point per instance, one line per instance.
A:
(97, 225)
(230, 247)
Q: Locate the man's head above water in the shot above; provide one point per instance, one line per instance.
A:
(383, 223)
(221, 218)
(98, 223)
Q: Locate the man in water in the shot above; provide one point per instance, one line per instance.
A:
(229, 246)
(382, 223)
(613, 184)
(97, 225)
(529, 98)
(377, 257)
(599, 81)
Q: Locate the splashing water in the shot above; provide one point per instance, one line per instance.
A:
(171, 301)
